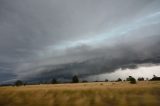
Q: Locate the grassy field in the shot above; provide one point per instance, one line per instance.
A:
(83, 94)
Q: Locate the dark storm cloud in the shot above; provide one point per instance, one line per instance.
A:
(106, 59)
(76, 37)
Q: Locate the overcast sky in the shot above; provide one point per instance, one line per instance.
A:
(83, 37)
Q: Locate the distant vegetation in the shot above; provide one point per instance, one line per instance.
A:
(18, 83)
(155, 78)
(140, 79)
(54, 81)
(119, 80)
(75, 79)
(106, 80)
(131, 79)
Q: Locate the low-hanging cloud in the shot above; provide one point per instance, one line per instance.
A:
(44, 39)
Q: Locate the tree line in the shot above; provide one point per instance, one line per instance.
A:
(75, 79)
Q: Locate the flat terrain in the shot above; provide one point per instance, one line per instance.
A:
(145, 93)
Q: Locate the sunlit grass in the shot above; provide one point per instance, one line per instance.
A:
(83, 94)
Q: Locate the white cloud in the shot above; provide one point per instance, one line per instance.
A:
(146, 72)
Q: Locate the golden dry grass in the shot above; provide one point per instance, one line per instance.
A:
(83, 94)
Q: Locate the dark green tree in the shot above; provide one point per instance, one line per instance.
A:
(131, 79)
(18, 83)
(140, 79)
(106, 80)
(155, 78)
(54, 81)
(75, 79)
(119, 80)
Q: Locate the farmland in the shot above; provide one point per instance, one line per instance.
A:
(144, 93)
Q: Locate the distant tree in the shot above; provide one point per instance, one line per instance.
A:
(140, 79)
(155, 78)
(54, 81)
(84, 81)
(18, 83)
(119, 80)
(131, 79)
(106, 80)
(75, 79)
(25, 83)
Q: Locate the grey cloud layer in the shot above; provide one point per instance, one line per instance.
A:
(87, 62)
(32, 32)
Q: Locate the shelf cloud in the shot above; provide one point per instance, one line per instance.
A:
(45, 39)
